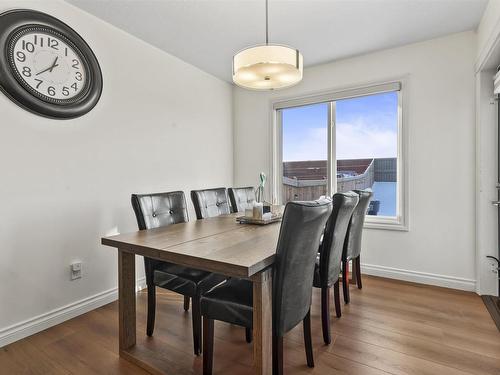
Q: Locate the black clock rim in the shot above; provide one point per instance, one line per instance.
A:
(18, 19)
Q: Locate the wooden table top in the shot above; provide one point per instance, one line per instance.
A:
(218, 244)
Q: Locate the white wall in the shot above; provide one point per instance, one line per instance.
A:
(439, 248)
(160, 125)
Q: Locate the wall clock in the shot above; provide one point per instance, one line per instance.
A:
(46, 67)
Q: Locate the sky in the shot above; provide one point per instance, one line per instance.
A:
(366, 127)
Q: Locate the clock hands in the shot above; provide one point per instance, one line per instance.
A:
(43, 71)
(50, 68)
(54, 64)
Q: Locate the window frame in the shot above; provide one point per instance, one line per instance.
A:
(399, 222)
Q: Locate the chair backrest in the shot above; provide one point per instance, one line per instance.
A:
(332, 246)
(210, 202)
(241, 198)
(352, 244)
(160, 209)
(300, 233)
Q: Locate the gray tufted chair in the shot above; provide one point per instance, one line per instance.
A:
(241, 198)
(160, 210)
(327, 269)
(232, 302)
(352, 244)
(210, 202)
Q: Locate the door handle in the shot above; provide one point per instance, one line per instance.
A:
(495, 203)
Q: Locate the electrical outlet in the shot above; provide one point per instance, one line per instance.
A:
(76, 270)
(494, 263)
(494, 268)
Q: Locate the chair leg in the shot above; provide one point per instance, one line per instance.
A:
(354, 277)
(277, 355)
(345, 281)
(208, 346)
(308, 339)
(186, 303)
(248, 335)
(196, 316)
(336, 297)
(151, 309)
(358, 272)
(325, 314)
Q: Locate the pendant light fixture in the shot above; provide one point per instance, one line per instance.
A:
(267, 66)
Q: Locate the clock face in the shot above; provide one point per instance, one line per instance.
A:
(48, 65)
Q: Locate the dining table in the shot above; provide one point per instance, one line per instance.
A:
(219, 244)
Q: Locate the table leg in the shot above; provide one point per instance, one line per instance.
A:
(126, 299)
(262, 322)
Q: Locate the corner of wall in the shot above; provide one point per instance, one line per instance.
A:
(488, 33)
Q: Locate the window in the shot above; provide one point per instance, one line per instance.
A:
(343, 141)
(305, 150)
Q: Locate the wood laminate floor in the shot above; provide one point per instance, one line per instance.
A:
(390, 327)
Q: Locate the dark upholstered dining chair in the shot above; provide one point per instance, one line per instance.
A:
(352, 244)
(210, 202)
(241, 198)
(232, 302)
(327, 268)
(159, 210)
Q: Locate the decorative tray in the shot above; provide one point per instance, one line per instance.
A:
(251, 220)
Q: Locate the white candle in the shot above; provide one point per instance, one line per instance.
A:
(258, 209)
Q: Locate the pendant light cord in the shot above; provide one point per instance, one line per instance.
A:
(267, 23)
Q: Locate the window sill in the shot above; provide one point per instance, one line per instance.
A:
(385, 223)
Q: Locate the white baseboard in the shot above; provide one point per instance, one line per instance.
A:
(420, 277)
(39, 323)
(140, 284)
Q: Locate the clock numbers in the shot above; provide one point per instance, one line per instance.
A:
(49, 65)
(21, 56)
(53, 43)
(39, 41)
(28, 46)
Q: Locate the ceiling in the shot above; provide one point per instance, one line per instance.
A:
(206, 33)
